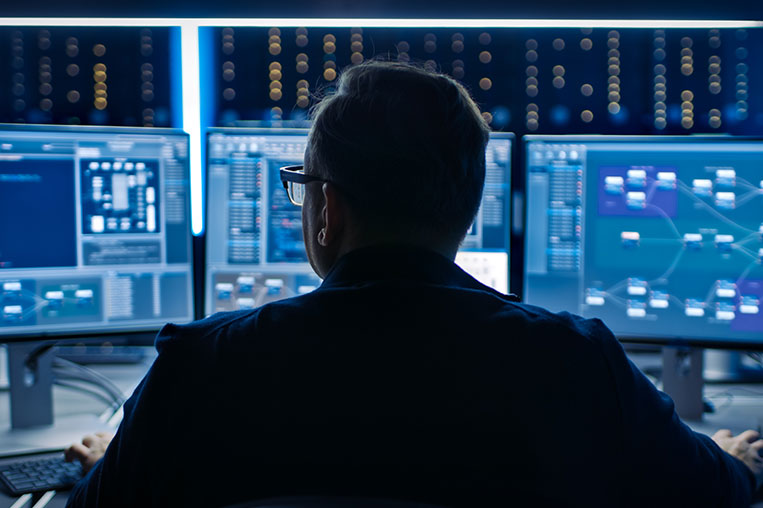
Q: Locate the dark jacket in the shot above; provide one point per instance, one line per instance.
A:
(403, 377)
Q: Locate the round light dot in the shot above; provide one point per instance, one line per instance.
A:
(485, 57)
(532, 124)
(101, 93)
(99, 50)
(275, 85)
(430, 65)
(531, 91)
(558, 44)
(558, 70)
(613, 80)
(487, 117)
(356, 58)
(558, 82)
(303, 101)
(302, 83)
(659, 105)
(659, 42)
(741, 53)
(715, 59)
(45, 60)
(659, 69)
(586, 90)
(742, 68)
(147, 95)
(72, 70)
(714, 88)
(714, 42)
(403, 47)
(741, 94)
(613, 70)
(714, 68)
(329, 64)
(229, 75)
(274, 49)
(457, 37)
(687, 95)
(45, 89)
(228, 48)
(715, 122)
(531, 44)
(272, 31)
(303, 92)
(532, 114)
(687, 60)
(687, 69)
(686, 42)
(99, 76)
(660, 80)
(274, 39)
(356, 46)
(301, 57)
(613, 108)
(458, 72)
(274, 75)
(659, 96)
(329, 74)
(586, 31)
(485, 38)
(486, 83)
(72, 51)
(687, 106)
(301, 41)
(586, 44)
(457, 46)
(430, 46)
(613, 88)
(660, 123)
(229, 94)
(613, 97)
(100, 86)
(531, 56)
(613, 43)
(531, 81)
(146, 67)
(276, 94)
(586, 115)
(329, 48)
(531, 70)
(100, 103)
(532, 107)
(46, 104)
(687, 52)
(72, 96)
(660, 87)
(659, 54)
(687, 123)
(302, 67)
(329, 38)
(359, 38)
(146, 76)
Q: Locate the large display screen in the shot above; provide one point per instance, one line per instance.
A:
(660, 237)
(95, 230)
(255, 252)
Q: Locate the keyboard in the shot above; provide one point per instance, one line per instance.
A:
(39, 473)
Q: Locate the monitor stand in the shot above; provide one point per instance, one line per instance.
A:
(32, 427)
(729, 367)
(682, 380)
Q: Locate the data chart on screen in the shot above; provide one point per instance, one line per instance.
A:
(661, 237)
(255, 253)
(95, 233)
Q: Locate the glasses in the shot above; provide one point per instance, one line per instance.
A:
(294, 179)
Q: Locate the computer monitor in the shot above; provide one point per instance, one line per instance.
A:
(95, 231)
(660, 237)
(255, 253)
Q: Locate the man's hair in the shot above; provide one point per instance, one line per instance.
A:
(405, 146)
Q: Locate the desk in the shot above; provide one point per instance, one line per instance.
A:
(738, 407)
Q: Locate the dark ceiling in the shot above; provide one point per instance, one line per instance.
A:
(580, 9)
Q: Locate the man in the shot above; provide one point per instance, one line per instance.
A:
(402, 377)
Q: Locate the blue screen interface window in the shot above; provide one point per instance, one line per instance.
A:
(95, 231)
(255, 252)
(660, 237)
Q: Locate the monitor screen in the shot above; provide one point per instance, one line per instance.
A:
(95, 230)
(660, 237)
(255, 253)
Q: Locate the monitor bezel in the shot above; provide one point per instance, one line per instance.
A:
(649, 339)
(137, 334)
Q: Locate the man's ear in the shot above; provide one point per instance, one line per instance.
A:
(333, 215)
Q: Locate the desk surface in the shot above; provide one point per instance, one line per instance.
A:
(738, 407)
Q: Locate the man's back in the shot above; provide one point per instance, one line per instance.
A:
(402, 377)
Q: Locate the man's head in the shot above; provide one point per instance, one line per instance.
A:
(403, 151)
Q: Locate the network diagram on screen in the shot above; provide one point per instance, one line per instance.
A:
(658, 237)
(95, 230)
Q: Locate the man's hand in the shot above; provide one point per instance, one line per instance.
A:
(747, 447)
(92, 448)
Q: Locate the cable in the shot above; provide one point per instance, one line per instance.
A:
(86, 374)
(74, 386)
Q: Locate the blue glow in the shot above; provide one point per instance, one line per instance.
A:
(176, 82)
(207, 64)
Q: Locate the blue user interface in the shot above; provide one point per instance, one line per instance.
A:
(660, 237)
(255, 252)
(95, 235)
